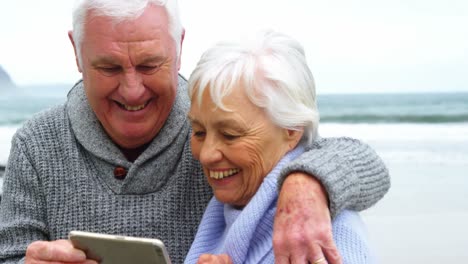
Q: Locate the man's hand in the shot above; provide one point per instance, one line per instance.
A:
(59, 251)
(214, 259)
(302, 230)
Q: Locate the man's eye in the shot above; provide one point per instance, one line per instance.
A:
(147, 69)
(108, 71)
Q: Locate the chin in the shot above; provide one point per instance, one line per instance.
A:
(226, 200)
(223, 199)
(131, 141)
(136, 135)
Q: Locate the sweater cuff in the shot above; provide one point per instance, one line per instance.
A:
(337, 177)
(350, 171)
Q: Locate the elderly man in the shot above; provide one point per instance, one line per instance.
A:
(116, 158)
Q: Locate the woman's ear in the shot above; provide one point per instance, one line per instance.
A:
(293, 136)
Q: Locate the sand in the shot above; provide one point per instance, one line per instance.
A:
(424, 217)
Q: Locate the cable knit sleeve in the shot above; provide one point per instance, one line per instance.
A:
(22, 213)
(352, 173)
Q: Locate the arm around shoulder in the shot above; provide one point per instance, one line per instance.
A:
(351, 172)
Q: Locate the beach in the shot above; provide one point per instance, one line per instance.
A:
(422, 218)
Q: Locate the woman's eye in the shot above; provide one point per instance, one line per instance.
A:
(199, 134)
(229, 136)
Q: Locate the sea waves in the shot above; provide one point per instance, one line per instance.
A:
(395, 118)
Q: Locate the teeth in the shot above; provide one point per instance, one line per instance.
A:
(223, 174)
(134, 108)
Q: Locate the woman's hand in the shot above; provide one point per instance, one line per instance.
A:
(214, 259)
(302, 229)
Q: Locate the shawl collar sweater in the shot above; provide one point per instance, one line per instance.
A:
(160, 159)
(60, 178)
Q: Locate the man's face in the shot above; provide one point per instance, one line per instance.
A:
(130, 74)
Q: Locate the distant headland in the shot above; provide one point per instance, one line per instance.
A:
(5, 80)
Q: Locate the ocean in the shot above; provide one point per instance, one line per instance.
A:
(418, 108)
(429, 108)
(421, 137)
(426, 114)
(20, 104)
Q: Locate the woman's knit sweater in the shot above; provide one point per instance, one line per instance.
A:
(246, 235)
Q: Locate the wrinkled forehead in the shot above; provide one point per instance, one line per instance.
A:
(227, 96)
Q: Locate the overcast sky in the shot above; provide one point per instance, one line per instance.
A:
(351, 45)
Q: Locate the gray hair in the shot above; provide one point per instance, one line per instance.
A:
(121, 10)
(273, 71)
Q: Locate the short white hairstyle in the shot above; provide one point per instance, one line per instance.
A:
(122, 10)
(272, 69)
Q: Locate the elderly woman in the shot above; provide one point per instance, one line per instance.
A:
(253, 110)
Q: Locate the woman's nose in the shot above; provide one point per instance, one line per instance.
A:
(210, 153)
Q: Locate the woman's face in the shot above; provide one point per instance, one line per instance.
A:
(237, 149)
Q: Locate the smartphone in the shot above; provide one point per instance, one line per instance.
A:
(113, 249)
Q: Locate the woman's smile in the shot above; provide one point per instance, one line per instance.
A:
(222, 174)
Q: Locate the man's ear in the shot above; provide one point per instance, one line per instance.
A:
(179, 59)
(70, 36)
(293, 136)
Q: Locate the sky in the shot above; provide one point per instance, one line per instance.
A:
(352, 46)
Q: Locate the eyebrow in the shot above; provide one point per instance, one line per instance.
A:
(222, 123)
(228, 123)
(113, 61)
(193, 120)
(156, 58)
(104, 60)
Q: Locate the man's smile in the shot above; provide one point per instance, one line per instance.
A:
(132, 108)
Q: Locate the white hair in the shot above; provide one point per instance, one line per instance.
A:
(273, 71)
(121, 10)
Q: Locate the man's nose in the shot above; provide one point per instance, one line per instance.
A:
(131, 86)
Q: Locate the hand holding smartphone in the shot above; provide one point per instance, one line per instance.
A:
(113, 249)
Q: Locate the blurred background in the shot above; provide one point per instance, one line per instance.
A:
(391, 73)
